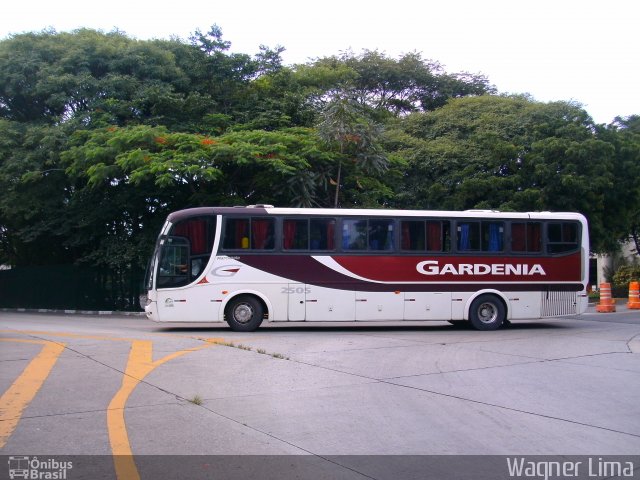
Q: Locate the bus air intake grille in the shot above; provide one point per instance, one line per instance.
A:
(556, 303)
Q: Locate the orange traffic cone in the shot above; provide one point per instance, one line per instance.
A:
(607, 304)
(634, 296)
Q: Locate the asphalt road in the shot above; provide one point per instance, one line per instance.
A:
(122, 388)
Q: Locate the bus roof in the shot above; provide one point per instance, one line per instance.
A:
(358, 212)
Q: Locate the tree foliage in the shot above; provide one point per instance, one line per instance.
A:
(513, 154)
(393, 86)
(346, 128)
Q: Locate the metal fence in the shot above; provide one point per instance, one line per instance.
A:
(70, 287)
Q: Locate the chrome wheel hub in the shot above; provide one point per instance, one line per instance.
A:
(487, 312)
(243, 313)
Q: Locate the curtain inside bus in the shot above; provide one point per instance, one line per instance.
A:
(242, 233)
(195, 230)
(331, 228)
(434, 236)
(464, 242)
(526, 237)
(495, 237)
(289, 231)
(259, 229)
(534, 237)
(405, 236)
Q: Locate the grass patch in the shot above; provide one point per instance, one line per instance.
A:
(196, 400)
(280, 356)
(261, 351)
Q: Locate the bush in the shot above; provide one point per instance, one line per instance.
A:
(625, 275)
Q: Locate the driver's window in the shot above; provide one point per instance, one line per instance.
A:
(173, 270)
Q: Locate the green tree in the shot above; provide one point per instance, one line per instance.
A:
(346, 128)
(624, 135)
(509, 153)
(34, 194)
(391, 86)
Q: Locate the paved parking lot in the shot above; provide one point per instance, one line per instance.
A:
(122, 386)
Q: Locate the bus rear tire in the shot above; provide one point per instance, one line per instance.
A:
(244, 313)
(487, 312)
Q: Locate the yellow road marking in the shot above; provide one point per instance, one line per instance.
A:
(23, 390)
(139, 365)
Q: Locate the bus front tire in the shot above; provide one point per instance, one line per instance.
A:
(244, 313)
(487, 312)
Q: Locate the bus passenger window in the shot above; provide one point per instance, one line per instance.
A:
(526, 237)
(562, 237)
(322, 233)
(420, 235)
(380, 234)
(354, 234)
(295, 234)
(468, 236)
(412, 235)
(437, 236)
(492, 236)
(256, 233)
(262, 234)
(236, 234)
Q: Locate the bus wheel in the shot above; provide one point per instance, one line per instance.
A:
(487, 312)
(244, 313)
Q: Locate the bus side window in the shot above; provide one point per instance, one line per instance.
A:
(492, 236)
(262, 233)
(420, 235)
(236, 234)
(380, 234)
(526, 237)
(412, 235)
(295, 234)
(322, 233)
(562, 237)
(256, 233)
(468, 236)
(438, 236)
(354, 234)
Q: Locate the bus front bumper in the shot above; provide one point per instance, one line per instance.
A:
(151, 310)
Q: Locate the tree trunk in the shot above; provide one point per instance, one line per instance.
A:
(335, 200)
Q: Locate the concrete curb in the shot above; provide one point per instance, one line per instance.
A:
(73, 312)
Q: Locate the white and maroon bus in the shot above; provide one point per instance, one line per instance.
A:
(246, 264)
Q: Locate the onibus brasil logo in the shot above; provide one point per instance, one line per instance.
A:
(37, 469)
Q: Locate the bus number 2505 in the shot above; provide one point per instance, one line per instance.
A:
(289, 290)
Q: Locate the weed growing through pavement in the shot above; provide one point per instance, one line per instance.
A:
(280, 356)
(261, 351)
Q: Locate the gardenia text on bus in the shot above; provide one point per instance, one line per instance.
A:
(432, 267)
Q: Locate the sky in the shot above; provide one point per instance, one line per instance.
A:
(574, 50)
